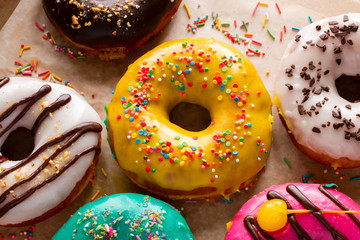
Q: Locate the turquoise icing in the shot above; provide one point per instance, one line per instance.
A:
(126, 216)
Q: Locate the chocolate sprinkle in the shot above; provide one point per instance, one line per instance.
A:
(337, 50)
(297, 38)
(289, 86)
(337, 114)
(333, 22)
(318, 27)
(301, 109)
(316, 130)
(338, 61)
(346, 18)
(348, 106)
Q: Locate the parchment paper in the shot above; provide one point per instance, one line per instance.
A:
(207, 219)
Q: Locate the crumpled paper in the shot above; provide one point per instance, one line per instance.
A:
(96, 79)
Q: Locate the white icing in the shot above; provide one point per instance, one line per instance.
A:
(75, 112)
(330, 142)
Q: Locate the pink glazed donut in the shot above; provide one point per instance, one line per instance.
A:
(315, 225)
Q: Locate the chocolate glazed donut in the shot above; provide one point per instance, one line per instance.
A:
(110, 28)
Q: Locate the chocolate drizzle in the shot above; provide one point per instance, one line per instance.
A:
(61, 142)
(29, 101)
(291, 217)
(61, 101)
(339, 204)
(298, 195)
(254, 229)
(3, 81)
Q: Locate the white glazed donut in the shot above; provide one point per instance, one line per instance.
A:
(323, 124)
(66, 134)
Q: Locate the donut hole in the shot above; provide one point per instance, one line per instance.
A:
(348, 87)
(189, 116)
(18, 145)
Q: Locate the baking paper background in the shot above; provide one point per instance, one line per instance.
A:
(207, 219)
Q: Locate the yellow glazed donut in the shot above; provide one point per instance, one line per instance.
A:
(171, 161)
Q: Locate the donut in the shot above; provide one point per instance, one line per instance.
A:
(158, 153)
(315, 225)
(110, 28)
(125, 216)
(50, 143)
(316, 91)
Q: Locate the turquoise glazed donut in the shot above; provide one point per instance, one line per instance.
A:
(126, 216)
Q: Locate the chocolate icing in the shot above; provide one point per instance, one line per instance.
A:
(254, 229)
(107, 23)
(69, 137)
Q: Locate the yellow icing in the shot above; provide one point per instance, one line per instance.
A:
(193, 159)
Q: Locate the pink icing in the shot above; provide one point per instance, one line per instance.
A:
(342, 222)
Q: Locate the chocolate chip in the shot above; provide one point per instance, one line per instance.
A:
(343, 41)
(288, 71)
(312, 108)
(320, 44)
(318, 27)
(289, 86)
(316, 130)
(326, 72)
(318, 75)
(328, 123)
(326, 89)
(337, 50)
(305, 99)
(311, 65)
(318, 104)
(304, 47)
(353, 27)
(333, 23)
(309, 113)
(301, 109)
(334, 29)
(347, 135)
(337, 114)
(350, 42)
(338, 125)
(348, 106)
(346, 18)
(349, 124)
(340, 34)
(338, 61)
(318, 91)
(297, 38)
(312, 81)
(309, 42)
(323, 125)
(292, 66)
(324, 36)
